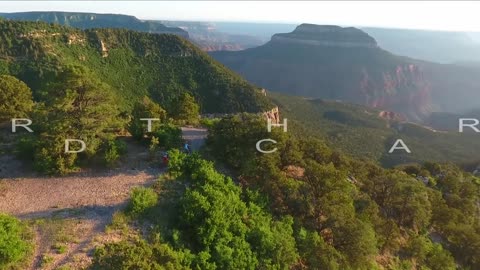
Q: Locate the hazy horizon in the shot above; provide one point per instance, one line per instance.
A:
(442, 16)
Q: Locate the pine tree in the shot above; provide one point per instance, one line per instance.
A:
(15, 98)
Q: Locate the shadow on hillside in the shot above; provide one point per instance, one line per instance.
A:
(87, 173)
(91, 212)
(137, 159)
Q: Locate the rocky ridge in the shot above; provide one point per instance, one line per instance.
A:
(327, 35)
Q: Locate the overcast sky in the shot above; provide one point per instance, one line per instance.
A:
(443, 15)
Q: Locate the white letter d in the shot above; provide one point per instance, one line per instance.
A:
(67, 146)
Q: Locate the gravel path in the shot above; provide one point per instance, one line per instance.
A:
(25, 195)
(36, 197)
(87, 199)
(90, 197)
(195, 136)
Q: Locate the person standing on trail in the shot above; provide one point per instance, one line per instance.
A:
(187, 148)
(165, 159)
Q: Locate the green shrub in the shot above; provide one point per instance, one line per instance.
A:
(176, 162)
(15, 98)
(145, 108)
(209, 122)
(46, 260)
(14, 243)
(169, 136)
(4, 67)
(153, 147)
(139, 255)
(119, 222)
(60, 248)
(186, 110)
(113, 150)
(24, 147)
(141, 199)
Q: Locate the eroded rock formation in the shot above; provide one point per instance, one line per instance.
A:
(327, 35)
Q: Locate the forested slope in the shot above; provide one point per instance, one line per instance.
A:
(363, 132)
(133, 64)
(306, 206)
(95, 20)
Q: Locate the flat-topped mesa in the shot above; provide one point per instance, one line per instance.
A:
(327, 35)
(96, 20)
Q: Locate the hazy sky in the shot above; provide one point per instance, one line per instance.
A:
(443, 15)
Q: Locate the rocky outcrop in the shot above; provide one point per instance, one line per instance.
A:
(273, 114)
(337, 63)
(75, 39)
(212, 47)
(403, 90)
(392, 116)
(38, 34)
(294, 172)
(104, 49)
(95, 20)
(326, 35)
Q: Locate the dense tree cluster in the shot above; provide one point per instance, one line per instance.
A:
(423, 216)
(158, 131)
(146, 109)
(213, 224)
(15, 98)
(304, 207)
(76, 106)
(360, 132)
(133, 64)
(186, 110)
(87, 84)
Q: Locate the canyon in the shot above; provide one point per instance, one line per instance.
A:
(345, 63)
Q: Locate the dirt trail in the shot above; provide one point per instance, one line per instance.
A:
(195, 136)
(37, 197)
(87, 200)
(26, 195)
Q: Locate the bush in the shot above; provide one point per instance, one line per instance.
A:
(176, 162)
(113, 150)
(139, 255)
(60, 248)
(141, 199)
(187, 110)
(77, 106)
(46, 260)
(14, 243)
(153, 147)
(169, 136)
(15, 98)
(145, 108)
(209, 122)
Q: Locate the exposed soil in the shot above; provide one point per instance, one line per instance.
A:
(195, 137)
(29, 196)
(85, 200)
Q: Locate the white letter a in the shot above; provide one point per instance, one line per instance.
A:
(403, 146)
